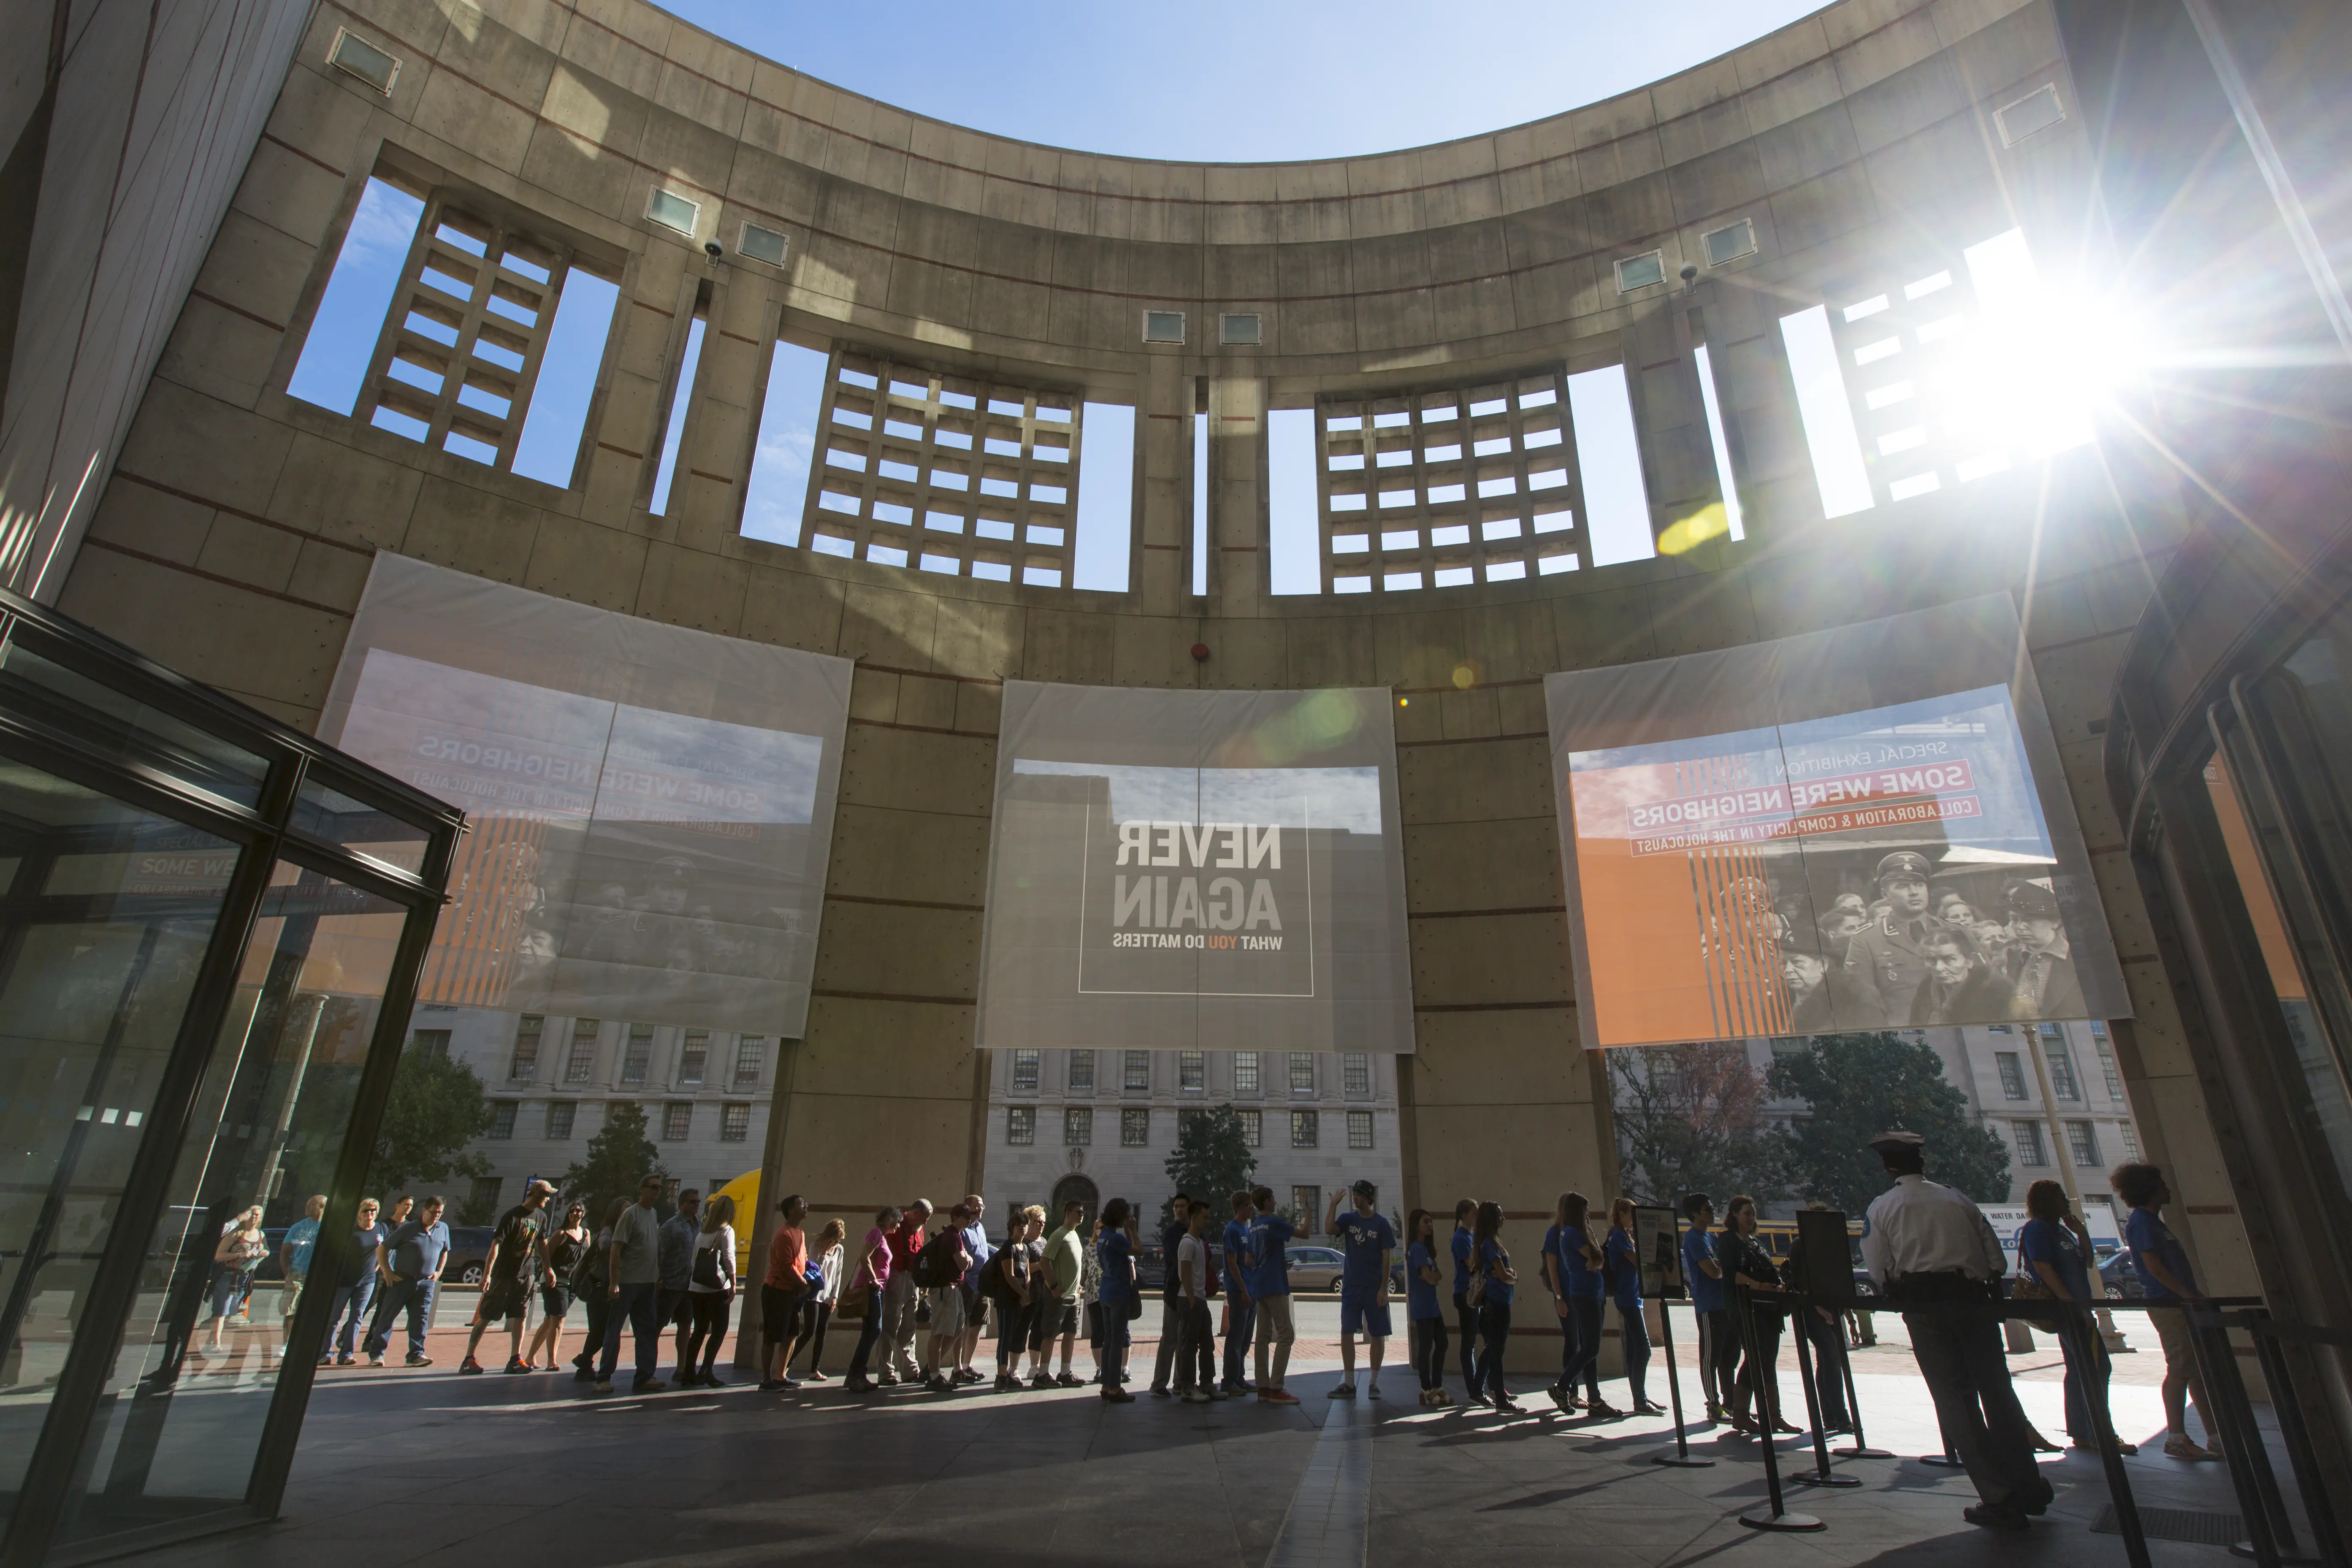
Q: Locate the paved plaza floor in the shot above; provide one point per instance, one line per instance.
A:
(398, 1466)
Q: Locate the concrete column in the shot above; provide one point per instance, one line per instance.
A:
(1238, 539)
(1163, 516)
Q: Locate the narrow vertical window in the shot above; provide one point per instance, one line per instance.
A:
(1721, 444)
(1293, 564)
(1106, 503)
(1200, 504)
(777, 488)
(558, 414)
(1616, 501)
(674, 437)
(1828, 414)
(342, 337)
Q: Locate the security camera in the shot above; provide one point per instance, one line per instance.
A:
(1689, 271)
(711, 248)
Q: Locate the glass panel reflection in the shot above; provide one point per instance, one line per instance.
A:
(177, 1428)
(35, 682)
(103, 923)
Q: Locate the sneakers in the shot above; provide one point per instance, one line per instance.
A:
(515, 1364)
(1602, 1410)
(346, 1359)
(1276, 1396)
(1160, 1392)
(1218, 1395)
(768, 1385)
(1561, 1397)
(1116, 1395)
(1069, 1380)
(603, 1385)
(2180, 1448)
(1342, 1390)
(424, 1361)
(1996, 1517)
(855, 1384)
(887, 1380)
(647, 1385)
(1007, 1383)
(1373, 1392)
(967, 1374)
(1043, 1380)
(470, 1367)
(1194, 1397)
(938, 1384)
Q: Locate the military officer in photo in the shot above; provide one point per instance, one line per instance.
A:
(2042, 982)
(1887, 960)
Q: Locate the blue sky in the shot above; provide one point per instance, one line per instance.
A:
(1230, 81)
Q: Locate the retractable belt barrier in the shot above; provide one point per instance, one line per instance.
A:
(2272, 1541)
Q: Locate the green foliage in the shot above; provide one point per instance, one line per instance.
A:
(619, 1157)
(1861, 1085)
(436, 1109)
(1690, 1118)
(1212, 1159)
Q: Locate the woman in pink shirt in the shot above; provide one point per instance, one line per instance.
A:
(867, 1275)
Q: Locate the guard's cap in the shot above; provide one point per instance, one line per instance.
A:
(1903, 863)
(1887, 1143)
(2031, 901)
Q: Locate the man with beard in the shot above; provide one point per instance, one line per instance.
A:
(1887, 959)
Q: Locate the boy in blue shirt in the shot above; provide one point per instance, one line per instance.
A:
(2162, 1265)
(1241, 1307)
(1366, 1243)
(1465, 1317)
(1269, 1282)
(1709, 1304)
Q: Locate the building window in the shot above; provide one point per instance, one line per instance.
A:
(2012, 1074)
(2063, 1082)
(750, 1060)
(1138, 1072)
(433, 1045)
(2131, 1140)
(1302, 1072)
(1134, 1129)
(1360, 1129)
(1024, 1071)
(639, 1055)
(1191, 1071)
(693, 1058)
(1082, 1072)
(1303, 1127)
(502, 1118)
(1253, 1127)
(1244, 1072)
(484, 1198)
(734, 1123)
(582, 1060)
(1021, 1124)
(559, 1120)
(1999, 1029)
(2106, 1050)
(2083, 1143)
(1307, 1203)
(1077, 1127)
(1355, 1072)
(524, 1067)
(678, 1122)
(2030, 1150)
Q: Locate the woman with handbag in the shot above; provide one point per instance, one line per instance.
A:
(589, 1285)
(1745, 1262)
(817, 1316)
(863, 1300)
(1491, 1285)
(560, 1253)
(240, 1251)
(709, 1292)
(1121, 1301)
(2053, 1264)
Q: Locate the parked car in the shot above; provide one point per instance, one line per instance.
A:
(2118, 1279)
(469, 1248)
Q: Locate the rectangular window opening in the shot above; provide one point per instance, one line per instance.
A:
(1200, 504)
(340, 344)
(1609, 453)
(1293, 566)
(681, 397)
(1021, 1125)
(1826, 412)
(1734, 524)
(1081, 1074)
(1105, 501)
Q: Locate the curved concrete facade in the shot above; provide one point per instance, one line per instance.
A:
(1862, 143)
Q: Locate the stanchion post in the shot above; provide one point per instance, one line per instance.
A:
(1823, 1475)
(1767, 1412)
(1861, 1449)
(2080, 1337)
(2271, 1538)
(2328, 1537)
(1682, 1457)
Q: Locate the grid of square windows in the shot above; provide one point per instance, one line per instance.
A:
(734, 1123)
(678, 1122)
(1253, 1127)
(1304, 1127)
(1302, 1072)
(639, 1058)
(2107, 1068)
(2030, 1149)
(2083, 1143)
(1024, 1069)
(1139, 1071)
(2063, 1083)
(967, 478)
(693, 1058)
(1355, 1072)
(559, 1120)
(1360, 1129)
(751, 1058)
(1135, 1129)
(503, 1119)
(582, 1060)
(1191, 1071)
(1082, 1072)
(1246, 1072)
(2012, 1074)
(1448, 485)
(1021, 1124)
(1077, 1127)
(524, 1066)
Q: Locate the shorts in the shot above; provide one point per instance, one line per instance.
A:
(676, 1309)
(1366, 1315)
(554, 1302)
(2171, 1326)
(509, 1299)
(780, 1315)
(946, 1310)
(1052, 1320)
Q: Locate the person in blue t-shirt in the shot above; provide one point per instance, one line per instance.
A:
(1240, 1306)
(1572, 1270)
(302, 1240)
(1115, 1249)
(2054, 1248)
(1622, 1271)
(1425, 1323)
(2162, 1265)
(1465, 1315)
(1269, 1250)
(1496, 1277)
(1710, 1304)
(1367, 1243)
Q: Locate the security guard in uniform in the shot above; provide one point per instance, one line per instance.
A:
(1886, 960)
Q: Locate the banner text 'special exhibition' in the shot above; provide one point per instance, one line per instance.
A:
(1854, 829)
(1194, 870)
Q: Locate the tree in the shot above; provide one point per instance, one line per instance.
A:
(1690, 1119)
(619, 1157)
(1213, 1158)
(436, 1109)
(1859, 1086)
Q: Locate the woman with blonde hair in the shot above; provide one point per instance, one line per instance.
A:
(240, 1251)
(826, 1259)
(709, 1292)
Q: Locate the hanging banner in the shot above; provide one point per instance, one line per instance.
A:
(650, 808)
(1860, 828)
(1191, 868)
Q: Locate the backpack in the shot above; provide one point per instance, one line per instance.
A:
(936, 1265)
